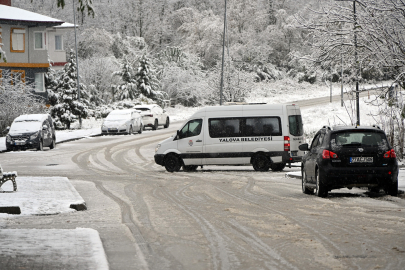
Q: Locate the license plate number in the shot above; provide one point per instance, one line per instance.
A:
(19, 143)
(361, 159)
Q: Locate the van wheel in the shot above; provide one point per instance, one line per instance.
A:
(392, 189)
(190, 168)
(140, 129)
(320, 189)
(40, 146)
(167, 123)
(172, 163)
(261, 163)
(276, 167)
(155, 126)
(305, 190)
(53, 144)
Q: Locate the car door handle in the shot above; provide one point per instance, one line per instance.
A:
(198, 140)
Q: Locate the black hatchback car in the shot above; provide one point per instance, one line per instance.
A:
(348, 156)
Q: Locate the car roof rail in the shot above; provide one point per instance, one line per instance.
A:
(327, 127)
(376, 126)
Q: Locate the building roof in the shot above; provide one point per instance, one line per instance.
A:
(13, 15)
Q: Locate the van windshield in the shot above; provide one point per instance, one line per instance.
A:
(295, 123)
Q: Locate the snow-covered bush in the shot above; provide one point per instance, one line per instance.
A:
(17, 98)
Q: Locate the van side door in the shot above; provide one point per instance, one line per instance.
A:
(190, 142)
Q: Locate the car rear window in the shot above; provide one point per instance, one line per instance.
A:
(359, 138)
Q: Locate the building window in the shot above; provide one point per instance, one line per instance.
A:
(17, 40)
(39, 82)
(39, 40)
(17, 76)
(58, 43)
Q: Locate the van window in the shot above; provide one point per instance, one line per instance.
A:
(224, 127)
(262, 126)
(295, 123)
(192, 128)
(244, 126)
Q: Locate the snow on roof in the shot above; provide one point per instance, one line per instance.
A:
(31, 117)
(145, 106)
(125, 111)
(65, 25)
(18, 14)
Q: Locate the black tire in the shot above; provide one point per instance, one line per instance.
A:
(305, 190)
(130, 130)
(53, 144)
(392, 189)
(320, 189)
(172, 163)
(167, 123)
(155, 126)
(261, 163)
(140, 129)
(190, 168)
(40, 146)
(276, 167)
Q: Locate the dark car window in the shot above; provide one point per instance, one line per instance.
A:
(192, 128)
(295, 124)
(315, 142)
(359, 138)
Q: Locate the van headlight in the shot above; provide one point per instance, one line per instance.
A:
(157, 148)
(34, 136)
(8, 138)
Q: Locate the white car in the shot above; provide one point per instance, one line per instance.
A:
(122, 122)
(153, 116)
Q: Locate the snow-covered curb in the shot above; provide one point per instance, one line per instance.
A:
(41, 196)
(79, 248)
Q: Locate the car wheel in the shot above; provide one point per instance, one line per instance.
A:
(320, 189)
(155, 126)
(305, 190)
(130, 130)
(261, 163)
(172, 163)
(392, 189)
(40, 146)
(140, 129)
(167, 123)
(190, 168)
(53, 144)
(276, 167)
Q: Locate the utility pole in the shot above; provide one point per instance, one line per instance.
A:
(77, 63)
(223, 56)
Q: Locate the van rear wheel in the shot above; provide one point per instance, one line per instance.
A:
(276, 167)
(172, 163)
(261, 163)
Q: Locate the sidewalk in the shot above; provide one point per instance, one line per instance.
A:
(33, 249)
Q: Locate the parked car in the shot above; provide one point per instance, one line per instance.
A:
(31, 131)
(347, 156)
(122, 122)
(153, 116)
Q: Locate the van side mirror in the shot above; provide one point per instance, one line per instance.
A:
(177, 135)
(303, 147)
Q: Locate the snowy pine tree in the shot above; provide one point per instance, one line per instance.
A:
(146, 80)
(68, 108)
(128, 89)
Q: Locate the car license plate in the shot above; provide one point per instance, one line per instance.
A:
(361, 159)
(19, 143)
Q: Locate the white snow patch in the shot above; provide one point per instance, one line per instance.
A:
(40, 195)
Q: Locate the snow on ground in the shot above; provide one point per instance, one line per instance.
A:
(41, 195)
(79, 248)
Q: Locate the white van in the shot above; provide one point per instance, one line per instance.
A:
(264, 135)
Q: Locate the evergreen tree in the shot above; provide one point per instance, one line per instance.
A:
(68, 108)
(128, 89)
(146, 80)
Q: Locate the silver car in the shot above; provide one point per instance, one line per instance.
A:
(125, 121)
(153, 116)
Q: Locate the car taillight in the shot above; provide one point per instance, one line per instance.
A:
(326, 154)
(390, 154)
(287, 143)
